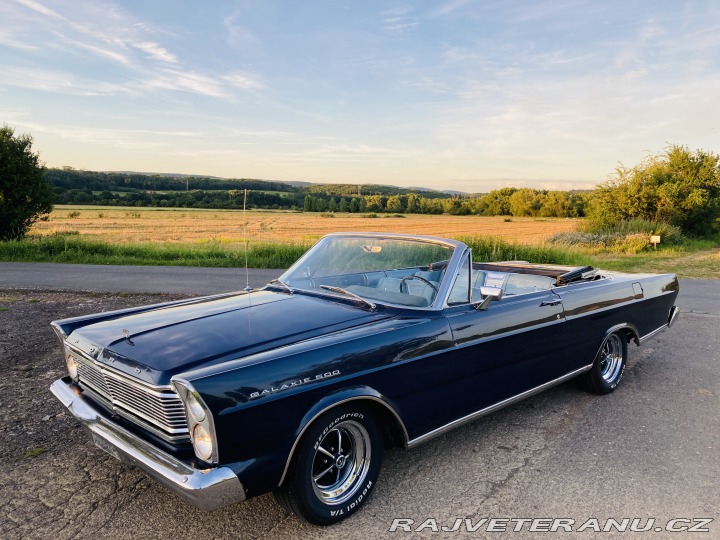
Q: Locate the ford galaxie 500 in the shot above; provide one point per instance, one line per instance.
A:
(368, 340)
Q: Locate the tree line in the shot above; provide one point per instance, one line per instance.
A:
(133, 189)
(67, 178)
(501, 202)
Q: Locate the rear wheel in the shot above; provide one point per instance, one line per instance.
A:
(609, 365)
(335, 468)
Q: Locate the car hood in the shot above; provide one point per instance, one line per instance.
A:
(165, 341)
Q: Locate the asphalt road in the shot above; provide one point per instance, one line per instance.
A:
(650, 450)
(130, 279)
(698, 295)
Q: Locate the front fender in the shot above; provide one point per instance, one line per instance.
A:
(339, 397)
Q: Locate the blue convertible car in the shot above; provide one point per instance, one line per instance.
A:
(368, 340)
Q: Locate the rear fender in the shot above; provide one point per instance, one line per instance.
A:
(626, 329)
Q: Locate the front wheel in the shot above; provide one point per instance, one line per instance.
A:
(336, 467)
(609, 365)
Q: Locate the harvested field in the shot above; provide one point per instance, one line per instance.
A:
(130, 225)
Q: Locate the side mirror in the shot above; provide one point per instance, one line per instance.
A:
(489, 294)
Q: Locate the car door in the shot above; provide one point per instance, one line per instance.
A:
(515, 345)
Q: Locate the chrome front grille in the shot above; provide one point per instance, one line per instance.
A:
(158, 409)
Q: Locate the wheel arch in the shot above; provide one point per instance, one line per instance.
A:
(389, 421)
(628, 330)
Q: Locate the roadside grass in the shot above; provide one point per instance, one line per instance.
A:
(693, 259)
(75, 249)
(495, 249)
(696, 258)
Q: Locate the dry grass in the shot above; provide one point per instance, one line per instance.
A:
(133, 225)
(695, 264)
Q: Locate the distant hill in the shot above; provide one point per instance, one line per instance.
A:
(445, 191)
(346, 190)
(296, 183)
(168, 175)
(350, 190)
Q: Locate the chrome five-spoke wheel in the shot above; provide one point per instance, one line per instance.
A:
(612, 359)
(335, 467)
(607, 369)
(341, 462)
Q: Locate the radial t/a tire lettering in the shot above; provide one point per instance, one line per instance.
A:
(335, 468)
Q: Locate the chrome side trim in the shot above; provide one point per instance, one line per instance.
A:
(492, 408)
(653, 333)
(207, 489)
(309, 422)
(672, 317)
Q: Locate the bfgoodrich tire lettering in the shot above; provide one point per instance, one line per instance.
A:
(609, 365)
(335, 468)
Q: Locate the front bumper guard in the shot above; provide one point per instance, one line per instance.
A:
(207, 489)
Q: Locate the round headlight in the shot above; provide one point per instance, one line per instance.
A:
(72, 365)
(202, 443)
(195, 408)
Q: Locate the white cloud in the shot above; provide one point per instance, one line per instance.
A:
(651, 30)
(245, 81)
(60, 82)
(104, 31)
(449, 8)
(156, 52)
(188, 81)
(10, 39)
(238, 35)
(124, 139)
(115, 55)
(399, 21)
(39, 8)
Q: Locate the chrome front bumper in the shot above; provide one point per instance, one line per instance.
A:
(207, 489)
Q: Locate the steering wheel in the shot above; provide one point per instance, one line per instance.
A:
(404, 287)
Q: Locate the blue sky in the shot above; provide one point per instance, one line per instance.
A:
(468, 95)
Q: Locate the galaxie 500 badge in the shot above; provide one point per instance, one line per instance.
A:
(295, 382)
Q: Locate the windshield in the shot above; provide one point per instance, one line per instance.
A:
(405, 272)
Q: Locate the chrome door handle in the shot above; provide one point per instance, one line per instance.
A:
(551, 302)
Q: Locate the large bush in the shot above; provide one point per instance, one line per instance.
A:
(678, 186)
(25, 195)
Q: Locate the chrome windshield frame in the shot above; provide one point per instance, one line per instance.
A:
(439, 303)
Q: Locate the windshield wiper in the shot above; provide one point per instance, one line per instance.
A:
(343, 291)
(288, 287)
